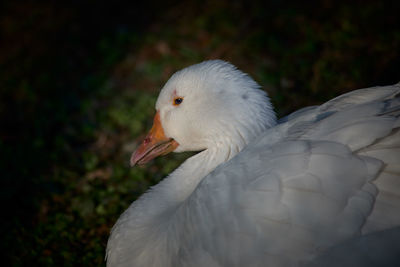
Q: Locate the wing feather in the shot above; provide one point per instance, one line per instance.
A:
(322, 176)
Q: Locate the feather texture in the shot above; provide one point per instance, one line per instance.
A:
(322, 176)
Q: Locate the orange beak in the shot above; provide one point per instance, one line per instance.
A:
(155, 144)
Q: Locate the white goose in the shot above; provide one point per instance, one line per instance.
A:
(260, 192)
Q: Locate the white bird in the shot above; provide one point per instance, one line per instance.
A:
(260, 192)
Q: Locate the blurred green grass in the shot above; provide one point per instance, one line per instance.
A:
(79, 83)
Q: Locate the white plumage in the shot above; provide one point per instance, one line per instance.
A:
(262, 193)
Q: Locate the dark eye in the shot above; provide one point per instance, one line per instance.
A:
(178, 101)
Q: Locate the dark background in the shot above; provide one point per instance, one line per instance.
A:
(78, 83)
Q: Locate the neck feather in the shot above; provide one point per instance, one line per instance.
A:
(146, 220)
(180, 184)
(183, 181)
(144, 226)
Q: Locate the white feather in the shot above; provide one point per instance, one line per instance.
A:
(261, 194)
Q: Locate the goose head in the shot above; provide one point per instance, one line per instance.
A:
(209, 105)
